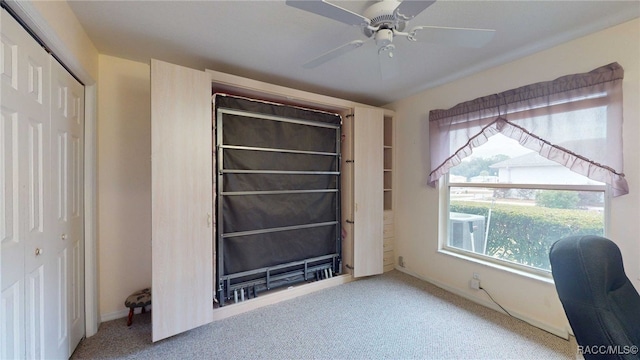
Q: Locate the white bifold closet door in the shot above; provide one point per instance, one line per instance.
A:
(25, 159)
(67, 184)
(41, 176)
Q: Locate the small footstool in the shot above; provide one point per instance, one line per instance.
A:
(138, 299)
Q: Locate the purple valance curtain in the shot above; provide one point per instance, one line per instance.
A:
(575, 120)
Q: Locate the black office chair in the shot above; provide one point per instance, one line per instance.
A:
(600, 302)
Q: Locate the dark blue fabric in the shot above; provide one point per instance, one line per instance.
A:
(600, 302)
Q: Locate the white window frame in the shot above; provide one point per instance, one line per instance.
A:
(443, 231)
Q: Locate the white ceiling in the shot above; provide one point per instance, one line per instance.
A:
(269, 41)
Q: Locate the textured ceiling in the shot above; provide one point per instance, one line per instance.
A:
(269, 41)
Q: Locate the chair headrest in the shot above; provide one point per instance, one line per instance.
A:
(593, 262)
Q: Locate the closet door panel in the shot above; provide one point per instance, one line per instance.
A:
(368, 130)
(12, 242)
(181, 156)
(24, 231)
(67, 133)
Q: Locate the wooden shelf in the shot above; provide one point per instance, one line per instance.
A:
(388, 158)
(388, 163)
(388, 131)
(388, 200)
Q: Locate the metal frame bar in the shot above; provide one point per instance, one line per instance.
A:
(285, 151)
(304, 262)
(338, 234)
(277, 118)
(220, 222)
(276, 192)
(290, 277)
(281, 172)
(283, 228)
(305, 273)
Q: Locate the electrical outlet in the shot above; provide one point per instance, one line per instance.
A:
(474, 284)
(475, 281)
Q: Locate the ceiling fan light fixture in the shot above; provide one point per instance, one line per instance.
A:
(383, 37)
(387, 50)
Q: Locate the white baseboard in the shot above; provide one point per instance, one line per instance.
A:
(560, 332)
(114, 315)
(120, 314)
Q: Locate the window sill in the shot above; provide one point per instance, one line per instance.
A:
(534, 275)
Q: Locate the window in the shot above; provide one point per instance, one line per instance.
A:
(528, 166)
(510, 204)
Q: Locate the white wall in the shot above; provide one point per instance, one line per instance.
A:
(417, 204)
(124, 182)
(71, 42)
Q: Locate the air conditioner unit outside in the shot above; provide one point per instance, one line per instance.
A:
(466, 231)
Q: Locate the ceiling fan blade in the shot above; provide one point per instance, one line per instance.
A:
(388, 62)
(332, 54)
(472, 38)
(323, 8)
(408, 9)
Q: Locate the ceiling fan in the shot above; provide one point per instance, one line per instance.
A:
(385, 20)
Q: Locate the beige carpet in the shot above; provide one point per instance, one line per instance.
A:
(392, 316)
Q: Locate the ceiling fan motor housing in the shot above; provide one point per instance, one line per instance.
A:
(384, 37)
(382, 15)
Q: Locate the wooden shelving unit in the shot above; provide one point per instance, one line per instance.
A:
(388, 163)
(388, 228)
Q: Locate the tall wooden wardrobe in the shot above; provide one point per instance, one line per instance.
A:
(183, 218)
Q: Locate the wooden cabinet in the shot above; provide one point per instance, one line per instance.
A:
(182, 192)
(182, 198)
(368, 201)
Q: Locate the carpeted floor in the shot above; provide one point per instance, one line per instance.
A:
(392, 316)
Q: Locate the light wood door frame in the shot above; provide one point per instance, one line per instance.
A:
(368, 195)
(182, 199)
